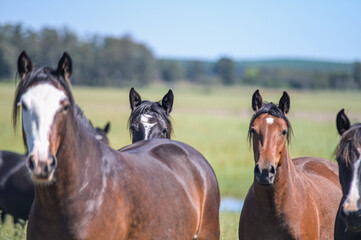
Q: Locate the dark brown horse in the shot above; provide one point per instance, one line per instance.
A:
(348, 155)
(150, 119)
(16, 186)
(159, 189)
(289, 198)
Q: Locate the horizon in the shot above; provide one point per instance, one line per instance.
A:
(203, 30)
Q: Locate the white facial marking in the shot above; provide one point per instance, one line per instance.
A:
(42, 102)
(144, 119)
(353, 195)
(98, 137)
(270, 120)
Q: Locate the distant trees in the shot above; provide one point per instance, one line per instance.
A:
(122, 61)
(357, 73)
(97, 61)
(170, 70)
(226, 70)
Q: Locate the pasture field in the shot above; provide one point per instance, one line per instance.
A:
(214, 120)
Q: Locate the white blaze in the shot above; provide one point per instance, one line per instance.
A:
(270, 120)
(144, 119)
(353, 195)
(42, 102)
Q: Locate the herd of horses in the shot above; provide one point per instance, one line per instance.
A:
(72, 185)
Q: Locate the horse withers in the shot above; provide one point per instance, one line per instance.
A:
(348, 156)
(159, 189)
(150, 119)
(289, 198)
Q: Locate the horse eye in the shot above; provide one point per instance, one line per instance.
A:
(65, 108)
(252, 131)
(284, 132)
(164, 131)
(132, 128)
(25, 108)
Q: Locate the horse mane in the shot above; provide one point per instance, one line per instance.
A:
(274, 110)
(80, 115)
(41, 74)
(350, 143)
(148, 107)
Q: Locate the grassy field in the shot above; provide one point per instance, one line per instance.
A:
(215, 121)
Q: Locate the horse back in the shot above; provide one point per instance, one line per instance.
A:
(318, 167)
(176, 183)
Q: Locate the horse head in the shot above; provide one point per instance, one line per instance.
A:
(150, 119)
(45, 99)
(348, 155)
(269, 132)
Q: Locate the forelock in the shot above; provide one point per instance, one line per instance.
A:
(273, 110)
(350, 144)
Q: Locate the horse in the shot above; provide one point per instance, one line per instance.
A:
(348, 156)
(289, 198)
(150, 119)
(101, 133)
(159, 189)
(16, 187)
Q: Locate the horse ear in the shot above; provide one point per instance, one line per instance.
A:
(342, 122)
(65, 67)
(257, 101)
(107, 128)
(134, 99)
(24, 65)
(284, 103)
(167, 101)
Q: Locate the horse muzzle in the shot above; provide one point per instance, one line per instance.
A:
(265, 176)
(42, 171)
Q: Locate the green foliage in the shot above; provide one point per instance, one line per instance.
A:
(357, 73)
(121, 61)
(225, 68)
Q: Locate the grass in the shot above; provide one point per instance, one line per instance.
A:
(215, 121)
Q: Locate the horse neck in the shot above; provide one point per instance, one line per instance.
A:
(75, 154)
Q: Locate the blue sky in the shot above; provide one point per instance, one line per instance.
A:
(205, 29)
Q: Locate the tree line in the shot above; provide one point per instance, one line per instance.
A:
(122, 61)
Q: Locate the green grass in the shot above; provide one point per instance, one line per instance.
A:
(215, 121)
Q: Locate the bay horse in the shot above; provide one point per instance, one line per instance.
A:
(16, 186)
(150, 119)
(348, 156)
(159, 189)
(289, 198)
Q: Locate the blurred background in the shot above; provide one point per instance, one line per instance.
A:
(212, 54)
(297, 44)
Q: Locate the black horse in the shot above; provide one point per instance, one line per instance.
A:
(150, 119)
(348, 155)
(16, 186)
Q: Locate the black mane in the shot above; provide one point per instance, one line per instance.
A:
(350, 143)
(274, 110)
(153, 108)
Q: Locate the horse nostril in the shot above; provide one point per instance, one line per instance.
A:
(53, 162)
(46, 169)
(272, 169)
(31, 163)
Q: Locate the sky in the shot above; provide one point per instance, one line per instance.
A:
(206, 29)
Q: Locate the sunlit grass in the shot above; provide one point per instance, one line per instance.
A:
(214, 121)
